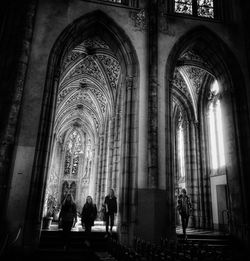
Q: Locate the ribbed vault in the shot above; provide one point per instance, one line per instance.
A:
(87, 88)
(85, 104)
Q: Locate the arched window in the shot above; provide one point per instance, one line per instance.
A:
(215, 128)
(181, 148)
(201, 8)
(73, 149)
(181, 152)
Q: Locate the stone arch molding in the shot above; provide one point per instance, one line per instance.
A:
(199, 57)
(91, 81)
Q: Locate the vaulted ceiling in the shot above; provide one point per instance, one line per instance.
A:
(87, 88)
(190, 75)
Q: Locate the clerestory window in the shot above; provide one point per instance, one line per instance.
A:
(215, 128)
(181, 147)
(181, 153)
(200, 8)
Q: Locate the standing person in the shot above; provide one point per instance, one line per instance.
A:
(184, 207)
(110, 203)
(68, 218)
(89, 213)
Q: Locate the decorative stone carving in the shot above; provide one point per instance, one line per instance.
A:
(129, 82)
(87, 67)
(112, 68)
(81, 97)
(180, 84)
(63, 94)
(101, 98)
(139, 19)
(196, 76)
(93, 43)
(72, 56)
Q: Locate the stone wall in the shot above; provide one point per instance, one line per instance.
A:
(155, 51)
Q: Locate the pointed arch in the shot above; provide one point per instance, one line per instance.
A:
(222, 65)
(95, 23)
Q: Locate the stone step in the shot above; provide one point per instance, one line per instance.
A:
(78, 240)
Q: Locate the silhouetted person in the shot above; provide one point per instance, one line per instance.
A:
(68, 218)
(110, 203)
(89, 213)
(184, 207)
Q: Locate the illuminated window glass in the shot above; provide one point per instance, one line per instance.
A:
(216, 129)
(181, 153)
(183, 6)
(201, 8)
(73, 149)
(205, 8)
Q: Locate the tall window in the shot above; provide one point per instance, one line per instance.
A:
(73, 149)
(216, 128)
(71, 164)
(181, 153)
(181, 148)
(201, 8)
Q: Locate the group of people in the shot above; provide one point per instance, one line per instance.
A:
(68, 214)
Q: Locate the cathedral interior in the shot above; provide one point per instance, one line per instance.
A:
(146, 97)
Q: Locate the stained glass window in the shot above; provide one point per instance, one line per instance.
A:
(183, 6)
(73, 149)
(201, 8)
(205, 8)
(67, 163)
(75, 165)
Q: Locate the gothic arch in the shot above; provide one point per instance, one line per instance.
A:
(95, 23)
(219, 63)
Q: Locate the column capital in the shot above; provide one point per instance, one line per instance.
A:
(129, 82)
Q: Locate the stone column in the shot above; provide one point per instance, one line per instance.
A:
(125, 173)
(8, 137)
(99, 171)
(155, 201)
(153, 94)
(93, 174)
(35, 199)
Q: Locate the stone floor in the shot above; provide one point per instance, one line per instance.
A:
(196, 231)
(98, 227)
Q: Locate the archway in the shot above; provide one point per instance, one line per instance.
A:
(88, 121)
(200, 76)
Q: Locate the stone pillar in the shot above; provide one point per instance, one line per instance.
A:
(37, 185)
(93, 174)
(155, 201)
(99, 171)
(153, 94)
(8, 136)
(125, 174)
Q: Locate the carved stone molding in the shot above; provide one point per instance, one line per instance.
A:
(139, 20)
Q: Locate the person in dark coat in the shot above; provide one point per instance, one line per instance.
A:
(89, 213)
(184, 207)
(110, 203)
(67, 218)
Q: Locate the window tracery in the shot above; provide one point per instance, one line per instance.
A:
(200, 8)
(73, 149)
(183, 6)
